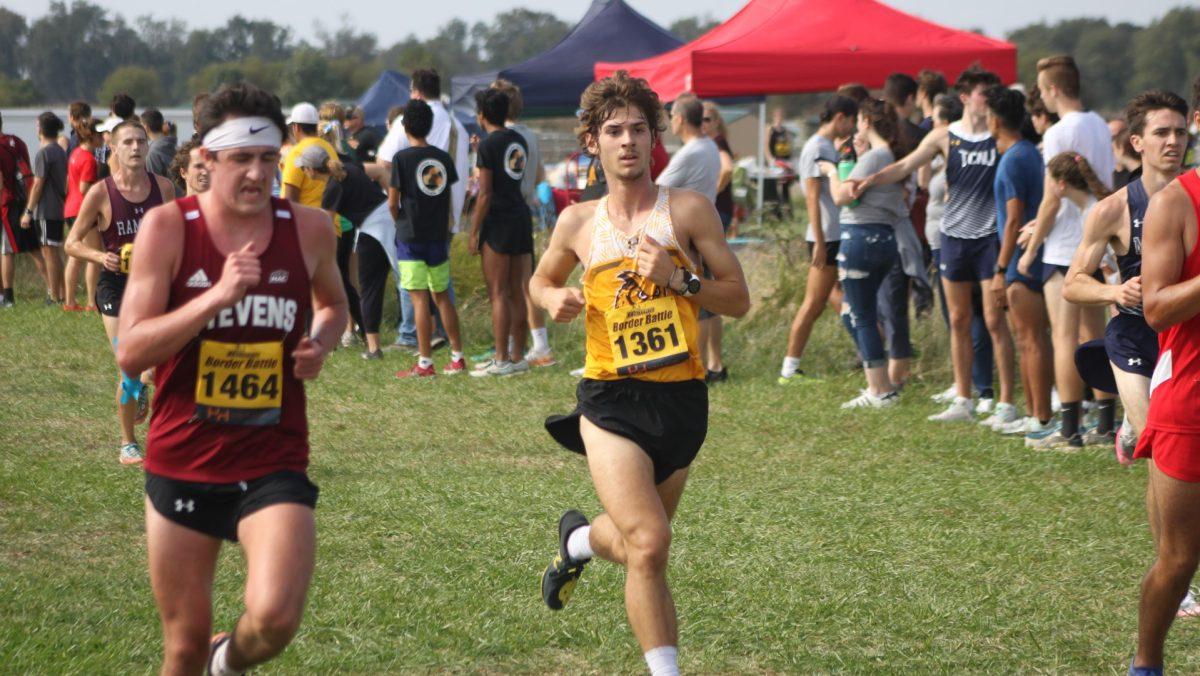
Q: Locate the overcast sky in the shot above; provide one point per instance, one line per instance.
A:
(391, 20)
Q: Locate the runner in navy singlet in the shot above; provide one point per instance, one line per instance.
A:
(115, 207)
(969, 242)
(1158, 124)
(223, 291)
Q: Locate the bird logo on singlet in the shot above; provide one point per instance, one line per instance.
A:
(431, 177)
(514, 161)
(631, 290)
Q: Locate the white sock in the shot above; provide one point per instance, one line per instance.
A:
(220, 667)
(662, 661)
(579, 546)
(455, 356)
(790, 366)
(424, 362)
(541, 341)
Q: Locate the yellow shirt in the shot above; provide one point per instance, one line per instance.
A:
(311, 189)
(625, 315)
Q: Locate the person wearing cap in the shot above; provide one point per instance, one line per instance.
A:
(299, 186)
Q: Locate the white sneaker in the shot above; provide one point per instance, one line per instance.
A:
(1188, 607)
(521, 366)
(946, 396)
(1020, 426)
(868, 400)
(348, 339)
(984, 405)
(498, 368)
(959, 411)
(577, 373)
(1004, 414)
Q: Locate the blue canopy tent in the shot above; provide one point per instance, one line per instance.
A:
(391, 89)
(552, 82)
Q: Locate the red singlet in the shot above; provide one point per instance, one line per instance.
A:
(1172, 431)
(227, 406)
(127, 216)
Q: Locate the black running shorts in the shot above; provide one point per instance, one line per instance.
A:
(216, 509)
(509, 238)
(109, 291)
(669, 421)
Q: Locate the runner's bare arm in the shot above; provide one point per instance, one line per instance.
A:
(393, 198)
(166, 188)
(1167, 300)
(696, 219)
(148, 336)
(548, 287)
(483, 203)
(318, 241)
(1100, 228)
(812, 200)
(91, 210)
(935, 143)
(35, 196)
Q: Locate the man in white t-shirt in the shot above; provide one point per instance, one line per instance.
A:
(1085, 133)
(426, 86)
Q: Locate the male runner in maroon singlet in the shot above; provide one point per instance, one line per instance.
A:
(222, 290)
(115, 207)
(1171, 302)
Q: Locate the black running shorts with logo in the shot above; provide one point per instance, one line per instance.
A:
(51, 232)
(1131, 344)
(669, 421)
(109, 291)
(216, 509)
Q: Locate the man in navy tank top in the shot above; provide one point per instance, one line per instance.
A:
(969, 241)
(1158, 131)
(236, 299)
(115, 207)
(1171, 439)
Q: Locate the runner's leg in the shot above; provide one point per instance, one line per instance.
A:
(1028, 312)
(182, 562)
(817, 291)
(496, 274)
(624, 478)
(1135, 397)
(958, 302)
(1002, 345)
(1175, 506)
(126, 413)
(449, 314)
(420, 301)
(520, 271)
(280, 545)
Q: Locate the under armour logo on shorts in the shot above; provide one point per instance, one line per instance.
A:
(180, 505)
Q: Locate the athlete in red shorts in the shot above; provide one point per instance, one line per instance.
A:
(1171, 300)
(221, 289)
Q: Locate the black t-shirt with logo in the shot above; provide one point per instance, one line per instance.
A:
(504, 152)
(423, 175)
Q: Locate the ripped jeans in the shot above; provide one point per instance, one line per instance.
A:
(868, 252)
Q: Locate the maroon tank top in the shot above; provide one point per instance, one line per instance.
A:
(126, 216)
(227, 406)
(1175, 386)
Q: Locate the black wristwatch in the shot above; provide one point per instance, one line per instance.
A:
(1001, 269)
(691, 284)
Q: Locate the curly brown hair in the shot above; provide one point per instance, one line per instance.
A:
(604, 97)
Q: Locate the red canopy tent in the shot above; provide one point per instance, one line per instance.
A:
(796, 46)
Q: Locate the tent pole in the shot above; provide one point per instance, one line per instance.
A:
(762, 160)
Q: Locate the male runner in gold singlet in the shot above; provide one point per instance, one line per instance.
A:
(643, 405)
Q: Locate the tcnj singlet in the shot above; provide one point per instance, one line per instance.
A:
(1175, 386)
(227, 406)
(127, 216)
(970, 211)
(636, 329)
(1130, 263)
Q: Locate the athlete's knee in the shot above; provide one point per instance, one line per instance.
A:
(647, 547)
(960, 319)
(274, 619)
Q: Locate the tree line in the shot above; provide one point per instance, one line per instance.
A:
(83, 51)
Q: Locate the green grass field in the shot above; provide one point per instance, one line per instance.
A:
(809, 539)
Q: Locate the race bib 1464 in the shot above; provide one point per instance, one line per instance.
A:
(239, 383)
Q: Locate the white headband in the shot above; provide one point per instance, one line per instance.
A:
(243, 132)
